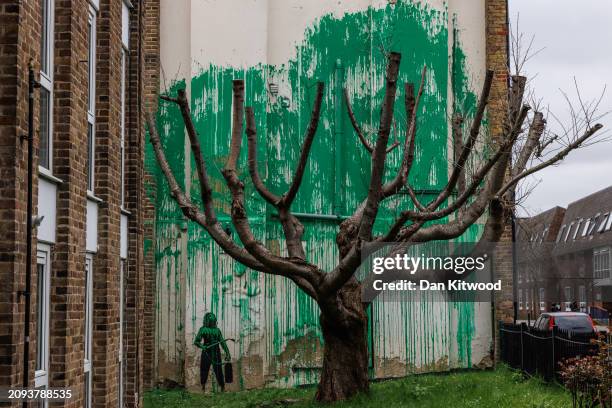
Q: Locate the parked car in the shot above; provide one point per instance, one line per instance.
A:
(574, 322)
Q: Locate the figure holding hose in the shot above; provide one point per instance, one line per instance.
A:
(210, 340)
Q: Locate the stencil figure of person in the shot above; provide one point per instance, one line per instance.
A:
(210, 340)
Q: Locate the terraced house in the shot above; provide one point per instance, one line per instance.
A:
(107, 294)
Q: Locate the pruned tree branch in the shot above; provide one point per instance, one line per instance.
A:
(487, 185)
(288, 198)
(251, 131)
(380, 149)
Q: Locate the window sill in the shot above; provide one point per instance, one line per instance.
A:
(92, 197)
(46, 174)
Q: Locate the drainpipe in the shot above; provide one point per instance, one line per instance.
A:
(514, 271)
(32, 84)
(338, 136)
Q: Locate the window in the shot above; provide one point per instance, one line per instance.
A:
(601, 263)
(561, 233)
(582, 297)
(91, 98)
(569, 229)
(123, 100)
(125, 41)
(88, 329)
(41, 374)
(578, 227)
(527, 299)
(45, 130)
(602, 225)
(541, 294)
(568, 293)
(594, 222)
(609, 224)
(585, 230)
(520, 300)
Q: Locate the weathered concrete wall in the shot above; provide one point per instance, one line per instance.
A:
(281, 48)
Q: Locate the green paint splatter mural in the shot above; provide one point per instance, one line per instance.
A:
(275, 324)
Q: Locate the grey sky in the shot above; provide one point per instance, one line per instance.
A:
(577, 36)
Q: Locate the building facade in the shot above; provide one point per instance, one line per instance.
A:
(87, 282)
(119, 280)
(566, 260)
(281, 48)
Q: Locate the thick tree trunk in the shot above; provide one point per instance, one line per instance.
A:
(345, 356)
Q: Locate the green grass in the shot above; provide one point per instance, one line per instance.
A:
(491, 389)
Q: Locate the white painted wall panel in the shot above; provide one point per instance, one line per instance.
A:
(91, 243)
(47, 202)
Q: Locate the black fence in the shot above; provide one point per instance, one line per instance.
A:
(539, 352)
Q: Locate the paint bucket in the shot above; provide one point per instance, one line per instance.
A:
(228, 372)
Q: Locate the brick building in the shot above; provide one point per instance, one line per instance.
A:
(564, 257)
(95, 64)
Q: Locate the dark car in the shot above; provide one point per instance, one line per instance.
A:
(574, 322)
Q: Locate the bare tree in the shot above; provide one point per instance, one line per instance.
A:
(487, 187)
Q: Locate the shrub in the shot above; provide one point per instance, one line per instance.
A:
(589, 379)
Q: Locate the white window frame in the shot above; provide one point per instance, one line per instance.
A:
(561, 231)
(604, 220)
(578, 228)
(88, 328)
(41, 375)
(520, 299)
(541, 296)
(586, 227)
(598, 266)
(609, 224)
(46, 77)
(569, 229)
(91, 102)
(594, 222)
(124, 56)
(568, 295)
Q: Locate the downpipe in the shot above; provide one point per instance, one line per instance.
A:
(26, 293)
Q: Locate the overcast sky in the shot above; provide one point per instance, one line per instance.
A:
(577, 41)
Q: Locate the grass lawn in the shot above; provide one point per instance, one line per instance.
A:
(490, 389)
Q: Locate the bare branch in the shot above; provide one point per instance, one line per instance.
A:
(411, 104)
(205, 187)
(288, 198)
(353, 120)
(237, 124)
(536, 129)
(251, 130)
(192, 212)
(477, 178)
(238, 211)
(415, 199)
(457, 124)
(469, 144)
(557, 157)
(380, 150)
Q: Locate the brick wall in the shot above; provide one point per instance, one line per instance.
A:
(151, 90)
(19, 42)
(497, 60)
(70, 165)
(106, 283)
(143, 79)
